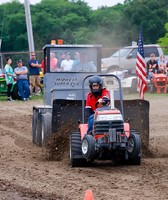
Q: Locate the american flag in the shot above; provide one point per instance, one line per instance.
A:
(141, 68)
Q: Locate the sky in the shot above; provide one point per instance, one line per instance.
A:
(92, 3)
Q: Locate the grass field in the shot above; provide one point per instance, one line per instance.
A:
(3, 97)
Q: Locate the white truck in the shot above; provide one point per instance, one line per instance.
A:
(125, 58)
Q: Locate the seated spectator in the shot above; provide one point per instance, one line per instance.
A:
(60, 59)
(77, 58)
(66, 64)
(84, 65)
(22, 80)
(53, 62)
(162, 63)
(152, 66)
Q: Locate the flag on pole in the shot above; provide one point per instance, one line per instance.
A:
(141, 68)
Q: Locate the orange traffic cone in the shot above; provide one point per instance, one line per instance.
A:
(88, 195)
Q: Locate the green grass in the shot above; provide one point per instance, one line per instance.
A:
(147, 96)
(3, 97)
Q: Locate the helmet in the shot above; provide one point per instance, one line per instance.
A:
(96, 80)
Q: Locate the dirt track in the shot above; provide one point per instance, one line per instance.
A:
(25, 173)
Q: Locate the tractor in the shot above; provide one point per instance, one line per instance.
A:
(63, 99)
(158, 83)
(111, 138)
(3, 87)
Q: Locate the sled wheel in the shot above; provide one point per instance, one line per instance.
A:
(88, 147)
(34, 123)
(76, 159)
(36, 127)
(134, 148)
(46, 127)
(38, 131)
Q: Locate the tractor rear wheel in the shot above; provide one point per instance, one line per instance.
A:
(88, 147)
(134, 148)
(76, 159)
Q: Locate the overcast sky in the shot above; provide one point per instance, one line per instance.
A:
(92, 3)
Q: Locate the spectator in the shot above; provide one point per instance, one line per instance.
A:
(61, 58)
(42, 66)
(66, 64)
(152, 66)
(162, 63)
(77, 58)
(95, 99)
(9, 76)
(53, 62)
(84, 65)
(34, 76)
(22, 80)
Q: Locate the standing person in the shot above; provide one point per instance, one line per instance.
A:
(9, 76)
(22, 80)
(34, 76)
(152, 66)
(66, 64)
(95, 99)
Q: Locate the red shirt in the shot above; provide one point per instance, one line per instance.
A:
(91, 99)
(42, 64)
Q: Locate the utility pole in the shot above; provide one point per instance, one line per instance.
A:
(29, 26)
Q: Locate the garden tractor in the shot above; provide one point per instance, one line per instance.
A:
(158, 83)
(111, 138)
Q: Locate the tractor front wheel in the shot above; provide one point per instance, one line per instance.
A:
(134, 149)
(88, 147)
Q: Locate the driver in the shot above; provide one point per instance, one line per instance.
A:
(98, 97)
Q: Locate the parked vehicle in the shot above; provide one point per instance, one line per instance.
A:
(129, 82)
(125, 58)
(3, 87)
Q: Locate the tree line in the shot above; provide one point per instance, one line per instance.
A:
(76, 23)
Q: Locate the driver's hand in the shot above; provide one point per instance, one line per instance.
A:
(100, 101)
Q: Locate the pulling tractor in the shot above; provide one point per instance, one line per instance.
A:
(111, 138)
(64, 99)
